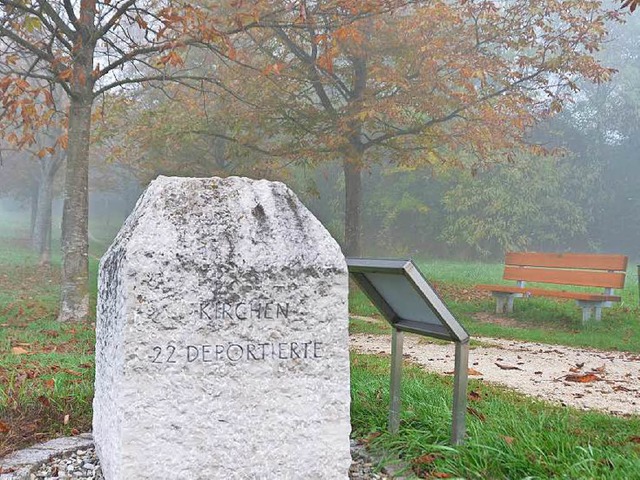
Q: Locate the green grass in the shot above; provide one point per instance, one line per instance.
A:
(46, 368)
(509, 436)
(534, 319)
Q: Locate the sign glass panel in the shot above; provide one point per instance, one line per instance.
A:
(402, 297)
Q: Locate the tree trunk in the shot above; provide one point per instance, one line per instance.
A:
(41, 233)
(74, 304)
(74, 298)
(352, 166)
(34, 208)
(41, 237)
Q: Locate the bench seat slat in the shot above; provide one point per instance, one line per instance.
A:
(582, 278)
(542, 292)
(582, 261)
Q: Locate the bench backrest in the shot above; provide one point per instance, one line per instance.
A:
(582, 269)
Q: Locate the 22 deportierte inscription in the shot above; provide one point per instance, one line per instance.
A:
(237, 352)
(214, 311)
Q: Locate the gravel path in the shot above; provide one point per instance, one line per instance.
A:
(581, 378)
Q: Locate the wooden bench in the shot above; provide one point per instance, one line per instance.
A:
(577, 269)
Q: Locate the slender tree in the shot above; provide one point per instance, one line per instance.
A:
(87, 48)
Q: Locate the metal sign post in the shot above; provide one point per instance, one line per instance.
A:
(395, 401)
(409, 304)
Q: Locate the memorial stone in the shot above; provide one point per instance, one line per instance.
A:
(221, 338)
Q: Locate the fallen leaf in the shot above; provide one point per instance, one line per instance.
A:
(574, 369)
(440, 475)
(507, 367)
(508, 440)
(19, 351)
(599, 369)
(75, 431)
(50, 384)
(635, 439)
(474, 396)
(72, 372)
(424, 459)
(585, 378)
(7, 470)
(4, 428)
(371, 437)
(479, 415)
(44, 401)
(620, 388)
(65, 421)
(473, 371)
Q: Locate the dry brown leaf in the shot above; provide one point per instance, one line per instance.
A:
(474, 396)
(507, 367)
(479, 415)
(65, 421)
(440, 475)
(4, 428)
(424, 459)
(621, 388)
(585, 378)
(50, 384)
(473, 371)
(508, 440)
(599, 369)
(19, 351)
(635, 439)
(371, 437)
(574, 369)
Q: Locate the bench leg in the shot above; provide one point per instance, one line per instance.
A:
(504, 302)
(501, 303)
(595, 307)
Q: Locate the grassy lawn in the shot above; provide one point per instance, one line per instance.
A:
(46, 382)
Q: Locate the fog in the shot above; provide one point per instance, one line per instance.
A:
(580, 195)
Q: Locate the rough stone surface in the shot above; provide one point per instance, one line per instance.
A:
(222, 342)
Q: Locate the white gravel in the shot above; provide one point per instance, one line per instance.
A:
(543, 371)
(83, 464)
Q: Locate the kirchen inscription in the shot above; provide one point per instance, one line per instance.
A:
(222, 322)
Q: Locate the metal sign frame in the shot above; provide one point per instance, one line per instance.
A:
(447, 329)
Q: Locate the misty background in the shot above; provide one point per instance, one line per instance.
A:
(583, 195)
